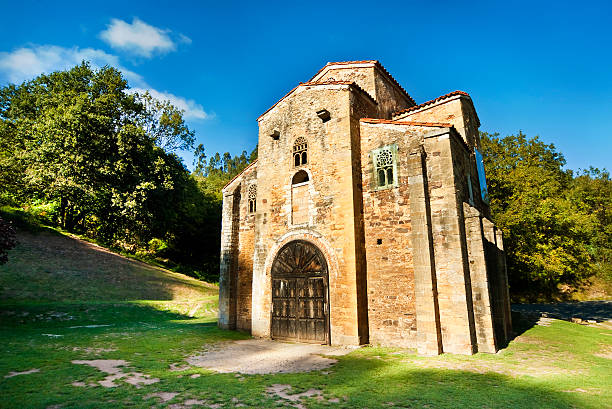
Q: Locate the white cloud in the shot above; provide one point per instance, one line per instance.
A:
(192, 110)
(27, 62)
(184, 39)
(139, 38)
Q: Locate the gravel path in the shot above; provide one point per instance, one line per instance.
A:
(261, 356)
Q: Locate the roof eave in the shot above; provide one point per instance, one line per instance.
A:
(238, 175)
(451, 96)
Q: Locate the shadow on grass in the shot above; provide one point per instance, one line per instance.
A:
(94, 315)
(355, 382)
(521, 323)
(373, 383)
(584, 310)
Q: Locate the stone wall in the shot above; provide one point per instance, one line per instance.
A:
(236, 266)
(390, 273)
(389, 97)
(376, 82)
(300, 199)
(245, 248)
(456, 110)
(331, 211)
(453, 285)
(227, 300)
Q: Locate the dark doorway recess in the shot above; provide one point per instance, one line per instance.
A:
(300, 306)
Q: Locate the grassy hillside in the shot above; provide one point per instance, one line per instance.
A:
(66, 302)
(47, 266)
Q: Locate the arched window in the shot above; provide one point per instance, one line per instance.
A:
(252, 198)
(300, 177)
(300, 149)
(385, 166)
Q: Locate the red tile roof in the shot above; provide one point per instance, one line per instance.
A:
(433, 101)
(413, 123)
(327, 83)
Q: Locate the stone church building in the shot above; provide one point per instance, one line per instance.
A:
(365, 220)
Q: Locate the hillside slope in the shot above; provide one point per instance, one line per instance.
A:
(50, 267)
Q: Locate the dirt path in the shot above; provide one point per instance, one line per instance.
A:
(259, 356)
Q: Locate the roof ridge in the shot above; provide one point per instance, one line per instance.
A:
(353, 62)
(412, 123)
(433, 101)
(384, 70)
(333, 82)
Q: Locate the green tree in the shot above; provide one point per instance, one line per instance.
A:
(591, 193)
(546, 234)
(80, 139)
(100, 159)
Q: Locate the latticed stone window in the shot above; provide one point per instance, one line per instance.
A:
(300, 152)
(252, 198)
(385, 167)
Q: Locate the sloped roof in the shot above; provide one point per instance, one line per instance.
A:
(375, 63)
(412, 123)
(240, 174)
(434, 101)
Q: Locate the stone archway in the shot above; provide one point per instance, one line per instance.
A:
(300, 299)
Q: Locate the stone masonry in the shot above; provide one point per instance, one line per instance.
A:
(364, 221)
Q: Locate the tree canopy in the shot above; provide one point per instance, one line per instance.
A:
(556, 225)
(96, 158)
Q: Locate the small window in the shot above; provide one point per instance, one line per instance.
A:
(300, 177)
(324, 115)
(470, 192)
(300, 147)
(275, 135)
(252, 199)
(385, 167)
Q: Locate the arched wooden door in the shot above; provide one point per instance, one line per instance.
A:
(300, 307)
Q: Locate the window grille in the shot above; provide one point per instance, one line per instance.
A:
(385, 167)
(300, 152)
(252, 198)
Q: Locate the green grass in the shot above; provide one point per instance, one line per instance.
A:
(49, 266)
(564, 365)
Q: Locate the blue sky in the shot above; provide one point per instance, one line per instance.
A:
(541, 67)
